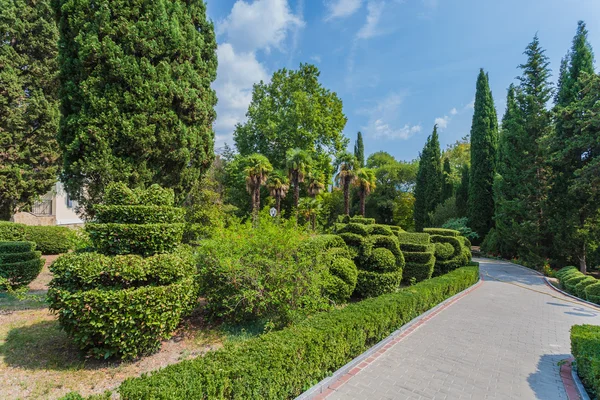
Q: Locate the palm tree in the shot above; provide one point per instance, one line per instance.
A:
(309, 208)
(297, 162)
(278, 185)
(257, 170)
(346, 166)
(365, 182)
(315, 184)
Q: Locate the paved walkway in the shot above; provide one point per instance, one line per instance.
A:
(502, 341)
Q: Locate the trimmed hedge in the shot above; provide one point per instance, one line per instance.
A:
(282, 364)
(373, 284)
(419, 256)
(578, 284)
(381, 260)
(592, 293)
(126, 323)
(117, 193)
(8, 258)
(135, 239)
(51, 239)
(16, 247)
(444, 251)
(19, 263)
(379, 230)
(139, 214)
(571, 282)
(362, 220)
(585, 346)
(446, 261)
(579, 289)
(357, 229)
(359, 246)
(11, 232)
(566, 270)
(414, 238)
(442, 232)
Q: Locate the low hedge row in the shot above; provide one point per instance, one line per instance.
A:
(578, 284)
(585, 346)
(19, 263)
(48, 239)
(148, 239)
(283, 364)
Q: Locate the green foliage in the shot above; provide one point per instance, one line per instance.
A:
(484, 145)
(446, 261)
(373, 284)
(126, 323)
(353, 227)
(416, 238)
(144, 239)
(447, 185)
(297, 163)
(11, 232)
(147, 121)
(428, 189)
(592, 293)
(390, 243)
(261, 367)
(346, 166)
(461, 225)
(570, 282)
(138, 214)
(442, 232)
(29, 107)
(119, 194)
(579, 289)
(359, 150)
(293, 111)
(462, 193)
(250, 274)
(381, 260)
(377, 229)
(564, 271)
(444, 212)
(51, 239)
(585, 346)
(19, 264)
(419, 267)
(444, 251)
(362, 220)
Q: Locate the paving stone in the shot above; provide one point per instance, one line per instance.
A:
(502, 341)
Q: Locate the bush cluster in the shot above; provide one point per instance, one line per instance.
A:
(260, 273)
(578, 284)
(585, 346)
(282, 364)
(20, 264)
(419, 255)
(376, 252)
(451, 250)
(48, 239)
(125, 305)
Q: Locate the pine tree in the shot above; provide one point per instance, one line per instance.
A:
(29, 110)
(447, 186)
(462, 193)
(564, 206)
(137, 102)
(428, 189)
(484, 145)
(359, 150)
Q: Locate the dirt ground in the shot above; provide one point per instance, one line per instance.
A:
(39, 361)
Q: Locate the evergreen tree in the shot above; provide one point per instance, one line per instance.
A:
(563, 217)
(29, 110)
(359, 150)
(137, 102)
(462, 193)
(447, 186)
(428, 189)
(484, 145)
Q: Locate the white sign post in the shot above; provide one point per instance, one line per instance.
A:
(273, 212)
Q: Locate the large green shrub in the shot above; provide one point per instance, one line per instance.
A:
(377, 229)
(451, 251)
(571, 281)
(442, 232)
(51, 239)
(419, 256)
(19, 263)
(11, 232)
(566, 270)
(282, 364)
(141, 239)
(260, 273)
(138, 214)
(585, 346)
(362, 220)
(592, 293)
(579, 289)
(358, 229)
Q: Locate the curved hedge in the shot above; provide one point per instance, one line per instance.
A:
(139, 214)
(578, 284)
(8, 258)
(19, 263)
(381, 260)
(16, 247)
(282, 364)
(579, 289)
(441, 232)
(419, 256)
(357, 229)
(592, 293)
(380, 230)
(446, 261)
(145, 239)
(122, 322)
(362, 220)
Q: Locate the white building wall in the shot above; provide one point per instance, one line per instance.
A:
(64, 208)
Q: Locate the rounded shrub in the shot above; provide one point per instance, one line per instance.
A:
(372, 284)
(362, 220)
(357, 229)
(417, 271)
(16, 247)
(51, 239)
(569, 284)
(391, 243)
(566, 270)
(19, 263)
(446, 262)
(139, 214)
(419, 256)
(592, 293)
(444, 251)
(381, 260)
(579, 289)
(380, 230)
(340, 281)
(359, 246)
(144, 239)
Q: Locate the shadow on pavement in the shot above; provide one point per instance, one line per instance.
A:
(546, 382)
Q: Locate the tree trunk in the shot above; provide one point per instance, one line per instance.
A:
(582, 260)
(362, 203)
(296, 189)
(313, 218)
(346, 196)
(278, 204)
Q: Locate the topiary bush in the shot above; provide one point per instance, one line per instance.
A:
(357, 229)
(419, 256)
(442, 232)
(579, 289)
(451, 251)
(11, 232)
(381, 260)
(376, 229)
(125, 305)
(571, 281)
(51, 239)
(592, 293)
(566, 270)
(585, 346)
(20, 264)
(362, 220)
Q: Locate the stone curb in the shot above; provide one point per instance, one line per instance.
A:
(573, 386)
(330, 384)
(595, 306)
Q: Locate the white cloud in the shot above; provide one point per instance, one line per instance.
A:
(250, 27)
(442, 122)
(316, 58)
(342, 8)
(382, 118)
(260, 25)
(370, 28)
(454, 111)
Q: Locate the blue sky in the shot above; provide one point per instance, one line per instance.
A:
(399, 66)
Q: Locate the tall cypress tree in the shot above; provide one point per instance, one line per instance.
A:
(462, 193)
(428, 190)
(484, 144)
(564, 205)
(137, 102)
(359, 150)
(29, 110)
(447, 186)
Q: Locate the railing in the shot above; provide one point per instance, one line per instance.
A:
(43, 207)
